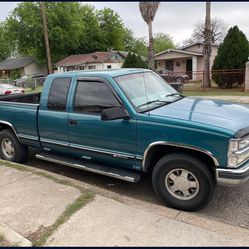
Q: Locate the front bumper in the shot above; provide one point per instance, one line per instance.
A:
(225, 176)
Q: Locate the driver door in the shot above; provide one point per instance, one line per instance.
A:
(90, 138)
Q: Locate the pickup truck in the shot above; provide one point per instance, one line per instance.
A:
(123, 123)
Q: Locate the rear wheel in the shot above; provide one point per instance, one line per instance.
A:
(183, 182)
(11, 149)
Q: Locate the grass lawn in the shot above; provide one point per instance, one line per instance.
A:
(221, 92)
(29, 90)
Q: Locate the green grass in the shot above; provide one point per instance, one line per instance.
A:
(216, 93)
(65, 216)
(40, 237)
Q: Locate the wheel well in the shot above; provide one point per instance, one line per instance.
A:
(157, 152)
(7, 127)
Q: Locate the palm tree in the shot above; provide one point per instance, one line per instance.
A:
(148, 11)
(207, 46)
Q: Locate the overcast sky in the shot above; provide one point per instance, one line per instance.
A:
(174, 18)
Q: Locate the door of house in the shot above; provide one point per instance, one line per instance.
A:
(189, 68)
(169, 65)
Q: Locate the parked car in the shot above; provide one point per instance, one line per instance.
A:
(10, 89)
(170, 76)
(124, 123)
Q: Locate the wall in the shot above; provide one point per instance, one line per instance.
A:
(247, 77)
(34, 68)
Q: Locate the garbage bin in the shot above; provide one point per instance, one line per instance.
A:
(177, 85)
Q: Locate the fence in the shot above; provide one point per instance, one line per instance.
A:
(220, 81)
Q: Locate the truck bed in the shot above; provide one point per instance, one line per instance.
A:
(21, 111)
(30, 98)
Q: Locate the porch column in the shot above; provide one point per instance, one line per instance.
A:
(194, 67)
(247, 77)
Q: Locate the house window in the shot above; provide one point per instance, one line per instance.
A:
(109, 66)
(91, 67)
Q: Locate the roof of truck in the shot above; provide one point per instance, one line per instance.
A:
(108, 72)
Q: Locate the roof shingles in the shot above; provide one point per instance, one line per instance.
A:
(15, 63)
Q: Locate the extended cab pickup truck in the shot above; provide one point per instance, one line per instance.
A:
(122, 123)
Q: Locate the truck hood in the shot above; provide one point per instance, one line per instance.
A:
(219, 113)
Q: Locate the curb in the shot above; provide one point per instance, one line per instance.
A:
(13, 237)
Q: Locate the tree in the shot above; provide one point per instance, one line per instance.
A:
(232, 54)
(207, 48)
(218, 32)
(134, 61)
(5, 49)
(112, 29)
(135, 45)
(64, 29)
(148, 11)
(162, 42)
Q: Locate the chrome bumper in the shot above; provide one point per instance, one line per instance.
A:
(225, 176)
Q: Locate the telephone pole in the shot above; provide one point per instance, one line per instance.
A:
(45, 28)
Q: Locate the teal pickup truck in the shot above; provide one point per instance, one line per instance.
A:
(122, 123)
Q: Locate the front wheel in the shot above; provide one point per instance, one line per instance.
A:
(183, 182)
(11, 149)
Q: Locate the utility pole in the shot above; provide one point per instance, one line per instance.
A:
(207, 45)
(45, 27)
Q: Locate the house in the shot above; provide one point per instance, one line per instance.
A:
(24, 66)
(96, 60)
(188, 59)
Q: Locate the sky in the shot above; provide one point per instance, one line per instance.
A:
(174, 18)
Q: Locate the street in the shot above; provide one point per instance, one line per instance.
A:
(229, 204)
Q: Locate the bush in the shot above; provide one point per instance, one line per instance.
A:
(134, 61)
(232, 54)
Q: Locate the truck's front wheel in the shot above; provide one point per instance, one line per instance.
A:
(183, 182)
(11, 149)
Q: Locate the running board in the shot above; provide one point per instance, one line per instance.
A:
(91, 167)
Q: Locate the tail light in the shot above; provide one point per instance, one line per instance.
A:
(7, 92)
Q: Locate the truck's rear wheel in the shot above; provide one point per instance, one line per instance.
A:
(11, 149)
(183, 182)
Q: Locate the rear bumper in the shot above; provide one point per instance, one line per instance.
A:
(225, 176)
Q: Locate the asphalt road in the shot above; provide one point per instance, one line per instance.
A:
(229, 205)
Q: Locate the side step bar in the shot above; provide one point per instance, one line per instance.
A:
(91, 167)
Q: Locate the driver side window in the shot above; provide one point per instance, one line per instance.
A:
(93, 98)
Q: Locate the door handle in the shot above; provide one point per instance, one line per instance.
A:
(72, 122)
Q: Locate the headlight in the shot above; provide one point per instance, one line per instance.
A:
(238, 152)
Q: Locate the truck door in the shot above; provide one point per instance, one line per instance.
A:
(53, 116)
(108, 142)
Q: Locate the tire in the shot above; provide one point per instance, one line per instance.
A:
(180, 79)
(183, 182)
(11, 149)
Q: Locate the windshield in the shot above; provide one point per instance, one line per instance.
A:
(147, 90)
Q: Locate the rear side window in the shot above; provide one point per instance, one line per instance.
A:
(93, 98)
(57, 98)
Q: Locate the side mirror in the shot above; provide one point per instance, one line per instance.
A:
(114, 113)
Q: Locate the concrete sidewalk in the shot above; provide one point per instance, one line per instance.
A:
(30, 203)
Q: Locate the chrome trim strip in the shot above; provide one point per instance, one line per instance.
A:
(83, 167)
(28, 137)
(114, 154)
(44, 140)
(11, 126)
(176, 145)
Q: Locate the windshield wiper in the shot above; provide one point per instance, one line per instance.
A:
(154, 101)
(174, 94)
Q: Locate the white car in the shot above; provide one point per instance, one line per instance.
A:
(10, 89)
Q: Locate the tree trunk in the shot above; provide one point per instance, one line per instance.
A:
(45, 27)
(207, 46)
(150, 48)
